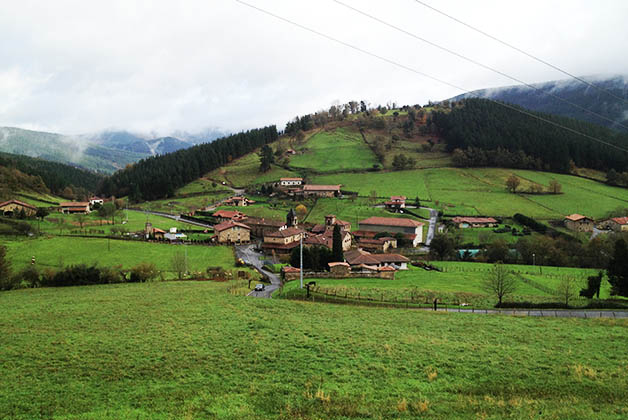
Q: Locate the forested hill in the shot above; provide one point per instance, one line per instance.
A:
(585, 96)
(56, 176)
(475, 125)
(159, 176)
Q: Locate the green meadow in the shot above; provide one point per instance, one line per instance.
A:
(57, 252)
(192, 350)
(245, 171)
(335, 150)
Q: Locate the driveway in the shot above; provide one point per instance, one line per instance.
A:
(249, 256)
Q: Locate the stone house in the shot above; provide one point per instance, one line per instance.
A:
(579, 223)
(410, 229)
(320, 190)
(75, 207)
(15, 207)
(474, 222)
(231, 232)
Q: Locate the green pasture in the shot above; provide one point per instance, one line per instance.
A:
(178, 205)
(200, 186)
(349, 210)
(245, 171)
(339, 149)
(192, 350)
(57, 252)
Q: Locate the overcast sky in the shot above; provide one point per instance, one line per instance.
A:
(160, 66)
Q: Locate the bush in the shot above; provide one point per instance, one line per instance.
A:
(76, 275)
(143, 272)
(27, 277)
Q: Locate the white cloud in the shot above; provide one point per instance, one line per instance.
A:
(76, 66)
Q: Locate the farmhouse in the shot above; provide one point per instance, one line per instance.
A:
(321, 190)
(396, 203)
(474, 222)
(360, 257)
(74, 207)
(326, 239)
(381, 244)
(95, 201)
(237, 200)
(261, 226)
(225, 215)
(579, 223)
(410, 229)
(618, 224)
(152, 232)
(290, 182)
(231, 232)
(283, 240)
(15, 207)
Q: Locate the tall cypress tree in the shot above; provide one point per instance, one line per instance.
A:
(618, 269)
(337, 253)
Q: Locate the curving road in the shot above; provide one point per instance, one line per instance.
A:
(250, 256)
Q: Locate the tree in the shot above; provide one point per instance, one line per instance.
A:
(5, 269)
(567, 289)
(42, 212)
(80, 218)
(301, 211)
(497, 251)
(555, 187)
(266, 158)
(593, 286)
(512, 183)
(179, 264)
(372, 197)
(107, 210)
(500, 282)
(337, 252)
(441, 247)
(143, 272)
(617, 270)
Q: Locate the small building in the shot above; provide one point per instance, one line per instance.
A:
(618, 224)
(396, 203)
(290, 182)
(410, 229)
(579, 223)
(152, 232)
(237, 200)
(75, 207)
(261, 226)
(283, 240)
(361, 257)
(339, 269)
(320, 190)
(225, 215)
(326, 239)
(15, 207)
(175, 237)
(330, 222)
(231, 232)
(381, 244)
(474, 222)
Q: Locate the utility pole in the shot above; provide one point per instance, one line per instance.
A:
(301, 257)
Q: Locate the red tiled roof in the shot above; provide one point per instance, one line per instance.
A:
(398, 198)
(21, 203)
(391, 221)
(264, 222)
(390, 258)
(311, 187)
(290, 179)
(620, 220)
(474, 220)
(230, 214)
(228, 225)
(75, 204)
(371, 234)
(157, 230)
(290, 269)
(283, 233)
(576, 217)
(318, 240)
(335, 264)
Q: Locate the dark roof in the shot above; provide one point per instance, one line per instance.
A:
(284, 233)
(228, 225)
(362, 257)
(230, 214)
(21, 203)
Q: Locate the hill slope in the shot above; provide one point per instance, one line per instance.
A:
(571, 90)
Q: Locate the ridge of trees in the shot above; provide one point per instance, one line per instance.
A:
(483, 133)
(55, 177)
(159, 176)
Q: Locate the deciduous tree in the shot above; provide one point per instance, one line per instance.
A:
(512, 183)
(500, 282)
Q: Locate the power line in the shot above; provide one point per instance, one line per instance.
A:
(601, 89)
(410, 69)
(477, 63)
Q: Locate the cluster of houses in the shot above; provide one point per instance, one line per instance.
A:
(580, 223)
(13, 207)
(297, 187)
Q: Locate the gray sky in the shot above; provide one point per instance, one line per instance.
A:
(159, 66)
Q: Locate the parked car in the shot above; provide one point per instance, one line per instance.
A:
(260, 287)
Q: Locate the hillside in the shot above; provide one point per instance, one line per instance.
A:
(572, 91)
(104, 152)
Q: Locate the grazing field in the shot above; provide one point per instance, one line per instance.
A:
(39, 199)
(191, 350)
(178, 205)
(482, 191)
(461, 282)
(201, 186)
(245, 171)
(340, 149)
(58, 252)
(351, 211)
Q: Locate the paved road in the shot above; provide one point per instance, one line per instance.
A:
(248, 254)
(432, 229)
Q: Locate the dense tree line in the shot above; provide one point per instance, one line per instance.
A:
(56, 176)
(511, 139)
(159, 176)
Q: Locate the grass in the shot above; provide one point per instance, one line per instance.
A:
(245, 171)
(200, 186)
(351, 211)
(339, 149)
(191, 350)
(57, 252)
(178, 205)
(481, 191)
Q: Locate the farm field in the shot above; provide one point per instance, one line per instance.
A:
(39, 199)
(351, 211)
(482, 191)
(178, 205)
(57, 252)
(200, 186)
(340, 149)
(245, 171)
(169, 359)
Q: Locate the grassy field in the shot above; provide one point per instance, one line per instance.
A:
(245, 171)
(178, 205)
(482, 191)
(191, 350)
(61, 251)
(461, 282)
(339, 149)
(348, 210)
(201, 185)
